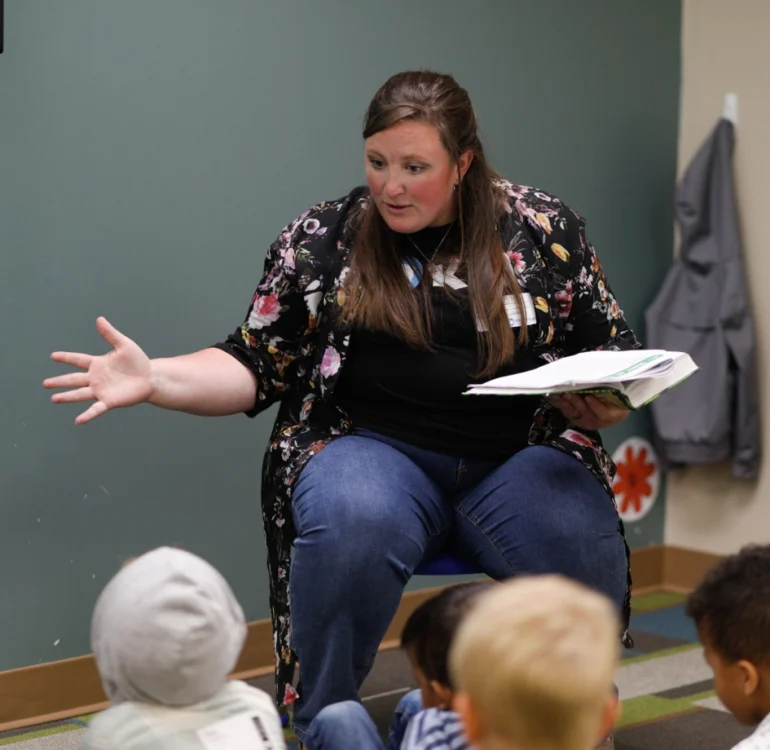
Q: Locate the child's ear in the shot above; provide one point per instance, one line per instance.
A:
(749, 677)
(443, 694)
(610, 716)
(474, 728)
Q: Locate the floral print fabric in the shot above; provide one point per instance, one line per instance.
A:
(293, 340)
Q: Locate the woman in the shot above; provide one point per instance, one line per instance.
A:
(374, 314)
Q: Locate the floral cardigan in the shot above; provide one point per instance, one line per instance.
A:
(295, 343)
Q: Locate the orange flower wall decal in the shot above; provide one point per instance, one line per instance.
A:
(637, 479)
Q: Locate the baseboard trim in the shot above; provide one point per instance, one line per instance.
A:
(647, 568)
(684, 569)
(71, 687)
(667, 568)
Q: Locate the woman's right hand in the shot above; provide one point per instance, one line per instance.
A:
(122, 377)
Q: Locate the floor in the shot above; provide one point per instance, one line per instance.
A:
(665, 686)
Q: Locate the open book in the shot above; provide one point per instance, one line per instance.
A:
(633, 378)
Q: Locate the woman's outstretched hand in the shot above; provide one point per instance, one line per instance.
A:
(120, 378)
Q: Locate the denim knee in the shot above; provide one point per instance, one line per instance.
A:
(342, 712)
(407, 707)
(365, 498)
(340, 725)
(410, 704)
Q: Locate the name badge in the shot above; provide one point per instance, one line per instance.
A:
(512, 309)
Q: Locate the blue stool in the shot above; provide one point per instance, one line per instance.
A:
(445, 564)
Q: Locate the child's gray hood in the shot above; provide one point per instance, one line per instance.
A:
(166, 629)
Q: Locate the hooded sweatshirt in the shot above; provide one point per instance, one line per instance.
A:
(166, 632)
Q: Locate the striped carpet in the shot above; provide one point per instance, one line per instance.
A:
(665, 686)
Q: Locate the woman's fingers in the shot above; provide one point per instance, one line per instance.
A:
(74, 359)
(571, 406)
(93, 411)
(70, 380)
(563, 406)
(600, 408)
(606, 412)
(109, 333)
(590, 412)
(72, 397)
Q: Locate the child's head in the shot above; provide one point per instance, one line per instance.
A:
(533, 664)
(167, 629)
(731, 609)
(428, 634)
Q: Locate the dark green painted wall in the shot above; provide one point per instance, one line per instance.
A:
(149, 153)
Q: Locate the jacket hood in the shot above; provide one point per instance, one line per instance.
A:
(166, 629)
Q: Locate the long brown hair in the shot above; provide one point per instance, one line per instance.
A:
(378, 295)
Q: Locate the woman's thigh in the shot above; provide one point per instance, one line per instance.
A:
(364, 496)
(542, 511)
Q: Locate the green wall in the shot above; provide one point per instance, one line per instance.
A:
(149, 153)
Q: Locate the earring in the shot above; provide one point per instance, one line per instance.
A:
(454, 187)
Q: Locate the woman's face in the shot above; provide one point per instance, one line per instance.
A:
(411, 176)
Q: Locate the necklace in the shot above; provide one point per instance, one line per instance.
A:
(438, 247)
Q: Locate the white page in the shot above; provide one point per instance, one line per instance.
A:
(590, 368)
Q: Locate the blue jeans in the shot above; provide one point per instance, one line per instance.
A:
(367, 509)
(348, 725)
(342, 726)
(407, 707)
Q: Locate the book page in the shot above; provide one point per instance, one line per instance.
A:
(590, 368)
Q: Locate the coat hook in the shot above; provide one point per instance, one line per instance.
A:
(730, 111)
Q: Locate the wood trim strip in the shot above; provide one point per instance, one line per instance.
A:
(684, 569)
(647, 567)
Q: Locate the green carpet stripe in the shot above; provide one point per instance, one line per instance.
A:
(86, 718)
(659, 654)
(649, 707)
(657, 600)
(39, 733)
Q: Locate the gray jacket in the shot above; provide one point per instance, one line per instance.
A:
(166, 633)
(703, 309)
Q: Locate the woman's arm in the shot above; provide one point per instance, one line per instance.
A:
(209, 383)
(594, 319)
(252, 369)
